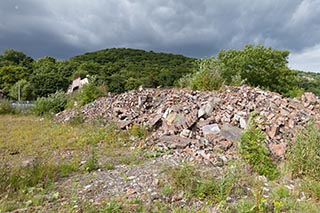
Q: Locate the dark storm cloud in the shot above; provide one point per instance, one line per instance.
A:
(195, 28)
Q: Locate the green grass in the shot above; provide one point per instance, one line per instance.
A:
(36, 155)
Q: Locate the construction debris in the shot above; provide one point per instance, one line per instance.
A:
(195, 123)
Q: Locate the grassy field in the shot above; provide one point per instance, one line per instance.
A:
(38, 155)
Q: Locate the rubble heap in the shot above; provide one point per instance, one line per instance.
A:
(197, 123)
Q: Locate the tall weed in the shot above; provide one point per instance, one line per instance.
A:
(304, 154)
(254, 151)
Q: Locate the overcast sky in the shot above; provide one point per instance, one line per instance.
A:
(196, 28)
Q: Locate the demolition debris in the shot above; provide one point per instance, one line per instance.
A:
(194, 124)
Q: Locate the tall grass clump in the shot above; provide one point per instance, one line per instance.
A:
(187, 178)
(254, 151)
(304, 154)
(13, 180)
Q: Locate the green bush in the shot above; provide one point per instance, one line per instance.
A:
(5, 107)
(184, 177)
(87, 94)
(254, 151)
(52, 104)
(259, 66)
(206, 77)
(304, 154)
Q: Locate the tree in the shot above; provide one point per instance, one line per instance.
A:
(46, 78)
(259, 66)
(48, 83)
(45, 65)
(9, 75)
(15, 57)
(25, 90)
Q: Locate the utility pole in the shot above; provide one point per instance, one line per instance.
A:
(19, 93)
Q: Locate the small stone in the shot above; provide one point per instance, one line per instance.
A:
(273, 131)
(177, 197)
(211, 129)
(278, 149)
(185, 133)
(131, 191)
(243, 123)
(225, 144)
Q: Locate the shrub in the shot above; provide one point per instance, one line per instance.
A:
(206, 77)
(5, 107)
(184, 177)
(87, 94)
(54, 103)
(304, 155)
(254, 152)
(259, 66)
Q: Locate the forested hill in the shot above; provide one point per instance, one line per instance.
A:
(117, 69)
(124, 69)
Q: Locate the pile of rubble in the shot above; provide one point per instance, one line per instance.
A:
(194, 123)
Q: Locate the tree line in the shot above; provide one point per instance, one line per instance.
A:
(117, 69)
(120, 69)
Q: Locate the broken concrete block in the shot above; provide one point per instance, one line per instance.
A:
(243, 123)
(175, 142)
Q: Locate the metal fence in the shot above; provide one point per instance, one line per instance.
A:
(22, 106)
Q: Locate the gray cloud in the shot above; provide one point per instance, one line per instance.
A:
(195, 28)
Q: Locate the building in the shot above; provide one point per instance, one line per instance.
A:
(77, 84)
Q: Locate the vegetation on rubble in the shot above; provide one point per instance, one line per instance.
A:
(253, 65)
(206, 77)
(254, 151)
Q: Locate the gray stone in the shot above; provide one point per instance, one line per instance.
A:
(211, 129)
(231, 133)
(175, 142)
(208, 108)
